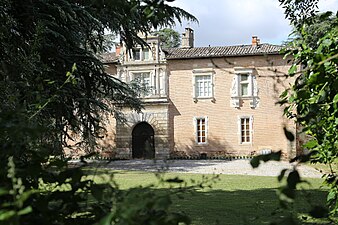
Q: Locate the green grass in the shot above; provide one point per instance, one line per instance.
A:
(232, 199)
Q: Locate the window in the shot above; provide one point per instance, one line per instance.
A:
(203, 86)
(140, 54)
(145, 54)
(245, 129)
(201, 130)
(144, 79)
(244, 87)
(137, 54)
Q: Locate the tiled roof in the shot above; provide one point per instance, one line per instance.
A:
(207, 52)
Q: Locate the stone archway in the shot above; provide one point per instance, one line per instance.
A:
(143, 145)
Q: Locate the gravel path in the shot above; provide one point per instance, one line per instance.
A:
(240, 167)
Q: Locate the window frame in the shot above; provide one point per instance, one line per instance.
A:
(236, 94)
(198, 73)
(141, 54)
(199, 130)
(134, 50)
(241, 83)
(248, 133)
(150, 87)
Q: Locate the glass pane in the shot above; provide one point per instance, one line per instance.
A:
(136, 54)
(145, 54)
(244, 77)
(244, 89)
(203, 86)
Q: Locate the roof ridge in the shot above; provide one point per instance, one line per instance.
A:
(224, 46)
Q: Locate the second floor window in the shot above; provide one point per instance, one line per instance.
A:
(203, 86)
(144, 79)
(244, 85)
(145, 54)
(137, 54)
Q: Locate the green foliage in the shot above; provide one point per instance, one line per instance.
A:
(299, 12)
(234, 199)
(151, 206)
(255, 161)
(314, 95)
(42, 40)
(288, 193)
(14, 197)
(52, 84)
(169, 38)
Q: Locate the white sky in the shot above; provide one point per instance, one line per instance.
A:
(232, 22)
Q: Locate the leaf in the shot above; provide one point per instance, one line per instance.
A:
(289, 193)
(3, 191)
(25, 211)
(293, 179)
(289, 135)
(5, 215)
(311, 144)
(335, 99)
(331, 196)
(254, 162)
(106, 220)
(292, 69)
(282, 174)
(275, 156)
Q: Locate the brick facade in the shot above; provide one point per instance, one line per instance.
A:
(223, 128)
(225, 122)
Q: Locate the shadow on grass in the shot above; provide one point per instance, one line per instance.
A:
(247, 207)
(233, 200)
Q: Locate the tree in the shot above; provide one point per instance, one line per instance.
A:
(42, 41)
(53, 83)
(169, 38)
(313, 99)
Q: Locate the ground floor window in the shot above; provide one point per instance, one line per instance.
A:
(201, 130)
(245, 127)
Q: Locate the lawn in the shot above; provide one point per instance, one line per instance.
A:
(231, 199)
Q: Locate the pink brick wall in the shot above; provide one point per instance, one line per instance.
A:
(223, 135)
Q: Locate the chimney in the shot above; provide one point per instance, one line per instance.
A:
(117, 49)
(255, 41)
(188, 38)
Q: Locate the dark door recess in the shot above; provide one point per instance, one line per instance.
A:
(143, 141)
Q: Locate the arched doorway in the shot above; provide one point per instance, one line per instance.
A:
(143, 141)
